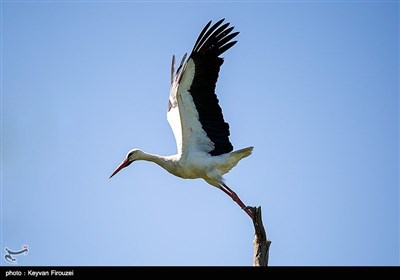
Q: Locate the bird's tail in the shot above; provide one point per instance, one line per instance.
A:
(235, 157)
(242, 153)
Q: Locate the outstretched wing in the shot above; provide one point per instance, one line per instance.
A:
(194, 112)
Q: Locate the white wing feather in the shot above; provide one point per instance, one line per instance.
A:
(183, 116)
(174, 118)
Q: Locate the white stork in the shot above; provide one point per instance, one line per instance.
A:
(196, 119)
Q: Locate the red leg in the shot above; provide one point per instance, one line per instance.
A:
(236, 198)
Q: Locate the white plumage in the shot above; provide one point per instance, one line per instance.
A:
(201, 134)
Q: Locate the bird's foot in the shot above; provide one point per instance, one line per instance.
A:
(249, 211)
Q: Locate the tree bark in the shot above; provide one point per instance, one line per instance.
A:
(261, 243)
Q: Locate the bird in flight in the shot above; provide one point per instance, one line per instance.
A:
(195, 116)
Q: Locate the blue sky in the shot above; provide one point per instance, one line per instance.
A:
(313, 86)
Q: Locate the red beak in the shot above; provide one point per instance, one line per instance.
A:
(124, 164)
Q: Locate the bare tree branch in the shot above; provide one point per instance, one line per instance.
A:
(261, 243)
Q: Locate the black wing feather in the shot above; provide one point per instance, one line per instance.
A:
(211, 43)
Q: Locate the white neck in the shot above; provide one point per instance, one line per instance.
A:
(166, 162)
